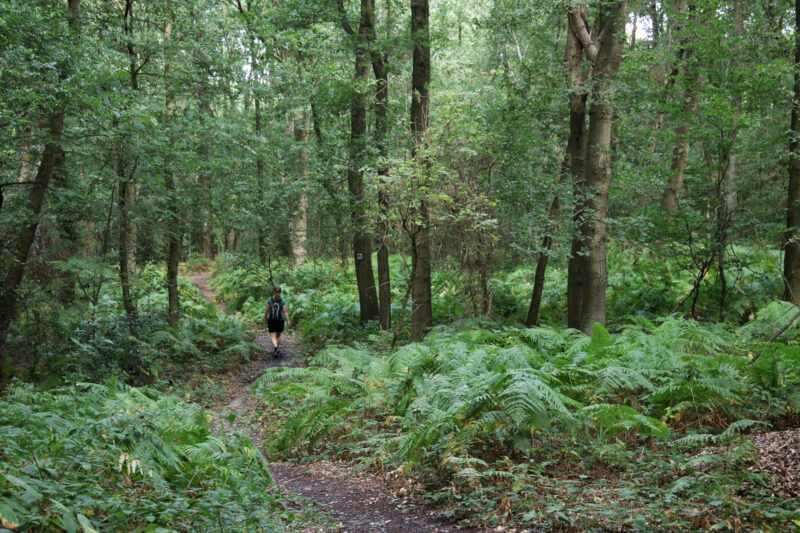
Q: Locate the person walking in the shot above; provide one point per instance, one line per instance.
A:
(276, 316)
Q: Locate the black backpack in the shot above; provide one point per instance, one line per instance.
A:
(275, 309)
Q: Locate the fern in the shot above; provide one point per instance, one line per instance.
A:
(125, 454)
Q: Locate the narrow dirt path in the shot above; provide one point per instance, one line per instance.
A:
(351, 502)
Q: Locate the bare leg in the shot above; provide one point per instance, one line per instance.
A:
(274, 336)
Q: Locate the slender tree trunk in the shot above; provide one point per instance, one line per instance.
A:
(381, 125)
(124, 227)
(133, 228)
(175, 234)
(362, 236)
(262, 240)
(26, 236)
(598, 162)
(421, 311)
(36, 197)
(300, 223)
(206, 111)
(541, 267)
(680, 151)
(124, 193)
(791, 262)
(727, 189)
(576, 161)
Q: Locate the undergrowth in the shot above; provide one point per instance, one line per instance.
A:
(91, 340)
(556, 417)
(91, 457)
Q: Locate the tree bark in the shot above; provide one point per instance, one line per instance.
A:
(598, 162)
(262, 240)
(125, 188)
(36, 197)
(205, 177)
(381, 126)
(175, 233)
(532, 319)
(727, 188)
(680, 151)
(421, 310)
(576, 161)
(55, 125)
(124, 270)
(362, 236)
(300, 223)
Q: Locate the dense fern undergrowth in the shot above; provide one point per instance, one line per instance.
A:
(644, 426)
(546, 427)
(537, 419)
(90, 457)
(91, 341)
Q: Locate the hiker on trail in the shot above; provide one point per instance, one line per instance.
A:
(275, 316)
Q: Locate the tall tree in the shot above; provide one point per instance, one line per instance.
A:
(362, 236)
(419, 231)
(577, 33)
(125, 171)
(593, 202)
(791, 263)
(175, 233)
(36, 198)
(381, 71)
(685, 68)
(300, 223)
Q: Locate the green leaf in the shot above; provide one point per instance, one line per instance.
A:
(67, 520)
(8, 518)
(601, 338)
(86, 524)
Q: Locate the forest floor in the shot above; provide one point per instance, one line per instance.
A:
(343, 499)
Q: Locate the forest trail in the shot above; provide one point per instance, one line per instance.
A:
(350, 502)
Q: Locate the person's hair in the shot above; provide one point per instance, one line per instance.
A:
(277, 289)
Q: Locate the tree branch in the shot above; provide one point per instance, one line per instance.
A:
(580, 26)
(345, 24)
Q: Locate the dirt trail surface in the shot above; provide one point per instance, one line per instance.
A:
(351, 502)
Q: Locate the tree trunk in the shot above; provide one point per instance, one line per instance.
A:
(175, 234)
(791, 261)
(36, 197)
(300, 224)
(125, 189)
(598, 162)
(381, 125)
(262, 240)
(362, 237)
(727, 189)
(421, 310)
(124, 227)
(680, 152)
(205, 177)
(541, 266)
(133, 228)
(576, 161)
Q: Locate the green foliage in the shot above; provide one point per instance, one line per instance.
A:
(450, 408)
(92, 342)
(92, 457)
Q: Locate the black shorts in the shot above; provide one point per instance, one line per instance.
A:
(275, 326)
